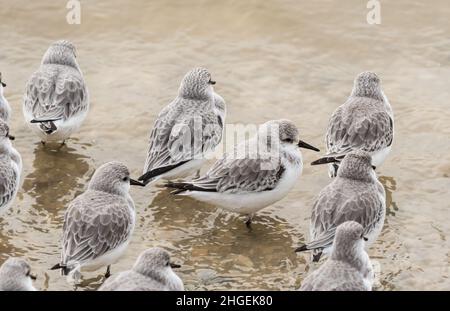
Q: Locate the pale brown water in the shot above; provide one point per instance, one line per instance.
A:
(272, 59)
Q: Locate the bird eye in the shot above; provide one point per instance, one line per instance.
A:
(126, 178)
(168, 263)
(28, 273)
(289, 140)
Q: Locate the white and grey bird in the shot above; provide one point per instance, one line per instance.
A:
(246, 184)
(15, 275)
(186, 130)
(56, 99)
(348, 268)
(5, 109)
(152, 271)
(355, 194)
(10, 168)
(364, 122)
(98, 224)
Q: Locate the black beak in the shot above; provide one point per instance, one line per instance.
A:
(302, 144)
(174, 265)
(33, 277)
(10, 137)
(212, 82)
(136, 183)
(325, 160)
(3, 84)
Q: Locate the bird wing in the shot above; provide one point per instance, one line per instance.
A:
(180, 135)
(93, 225)
(359, 126)
(8, 184)
(334, 207)
(238, 175)
(55, 92)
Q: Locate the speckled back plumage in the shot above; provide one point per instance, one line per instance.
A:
(196, 104)
(355, 194)
(100, 219)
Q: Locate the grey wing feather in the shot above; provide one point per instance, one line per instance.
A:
(237, 175)
(170, 143)
(56, 92)
(8, 184)
(93, 226)
(367, 129)
(334, 207)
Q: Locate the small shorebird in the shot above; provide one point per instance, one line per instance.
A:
(364, 122)
(151, 272)
(99, 223)
(15, 275)
(247, 185)
(355, 194)
(349, 267)
(5, 109)
(10, 168)
(190, 127)
(56, 99)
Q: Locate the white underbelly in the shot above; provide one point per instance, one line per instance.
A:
(107, 259)
(184, 170)
(250, 202)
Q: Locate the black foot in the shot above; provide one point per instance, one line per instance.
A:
(248, 223)
(108, 272)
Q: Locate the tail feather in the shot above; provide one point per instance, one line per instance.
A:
(47, 126)
(184, 186)
(150, 175)
(64, 269)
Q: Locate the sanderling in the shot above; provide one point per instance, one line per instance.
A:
(151, 272)
(248, 184)
(10, 168)
(348, 268)
(364, 122)
(5, 109)
(56, 98)
(98, 224)
(15, 275)
(355, 194)
(186, 130)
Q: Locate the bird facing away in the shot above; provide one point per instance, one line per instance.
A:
(190, 127)
(15, 275)
(355, 194)
(249, 183)
(349, 267)
(98, 224)
(364, 122)
(5, 109)
(56, 98)
(151, 272)
(10, 168)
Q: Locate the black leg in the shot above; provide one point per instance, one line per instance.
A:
(43, 143)
(108, 272)
(248, 222)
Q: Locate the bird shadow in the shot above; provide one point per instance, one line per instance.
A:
(58, 175)
(216, 246)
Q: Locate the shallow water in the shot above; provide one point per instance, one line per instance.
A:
(271, 59)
